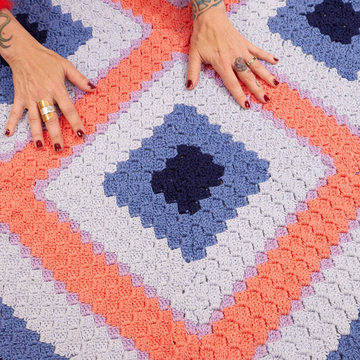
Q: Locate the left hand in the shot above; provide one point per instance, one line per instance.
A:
(215, 41)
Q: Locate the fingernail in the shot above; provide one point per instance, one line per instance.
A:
(57, 147)
(7, 132)
(91, 86)
(276, 83)
(39, 144)
(247, 104)
(189, 84)
(276, 59)
(266, 98)
(80, 133)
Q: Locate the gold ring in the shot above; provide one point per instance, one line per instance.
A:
(46, 110)
(251, 61)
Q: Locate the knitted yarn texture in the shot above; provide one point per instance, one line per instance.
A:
(182, 226)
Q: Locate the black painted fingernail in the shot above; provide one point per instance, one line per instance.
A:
(39, 144)
(266, 98)
(276, 59)
(189, 84)
(276, 83)
(57, 147)
(80, 133)
(91, 86)
(247, 104)
(7, 132)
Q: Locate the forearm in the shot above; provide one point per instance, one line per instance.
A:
(200, 7)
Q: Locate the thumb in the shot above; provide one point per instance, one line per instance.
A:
(77, 78)
(194, 68)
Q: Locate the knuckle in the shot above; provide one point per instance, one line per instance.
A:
(51, 122)
(36, 135)
(82, 77)
(57, 87)
(33, 118)
(256, 65)
(242, 98)
(14, 115)
(249, 77)
(69, 64)
(69, 111)
(233, 84)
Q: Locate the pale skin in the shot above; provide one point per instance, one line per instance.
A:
(39, 74)
(215, 41)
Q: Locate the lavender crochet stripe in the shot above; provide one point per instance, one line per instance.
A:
(19, 146)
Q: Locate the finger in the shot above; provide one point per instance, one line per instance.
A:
(261, 54)
(194, 68)
(36, 125)
(231, 82)
(69, 111)
(257, 68)
(77, 78)
(15, 115)
(249, 79)
(53, 127)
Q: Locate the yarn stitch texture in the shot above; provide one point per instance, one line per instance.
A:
(183, 227)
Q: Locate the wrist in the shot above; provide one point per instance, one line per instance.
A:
(207, 10)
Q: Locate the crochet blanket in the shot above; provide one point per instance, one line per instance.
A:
(184, 227)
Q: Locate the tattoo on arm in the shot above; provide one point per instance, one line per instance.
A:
(201, 6)
(3, 40)
(239, 65)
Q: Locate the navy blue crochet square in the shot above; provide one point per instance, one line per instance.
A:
(192, 222)
(337, 19)
(187, 178)
(52, 28)
(326, 29)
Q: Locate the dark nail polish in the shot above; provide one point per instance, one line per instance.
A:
(266, 98)
(7, 132)
(91, 86)
(276, 59)
(39, 144)
(276, 83)
(80, 133)
(57, 147)
(189, 84)
(247, 104)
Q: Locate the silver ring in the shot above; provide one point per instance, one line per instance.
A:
(47, 110)
(251, 61)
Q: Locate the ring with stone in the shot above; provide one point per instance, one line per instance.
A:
(251, 61)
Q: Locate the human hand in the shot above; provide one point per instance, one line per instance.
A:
(215, 41)
(39, 74)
